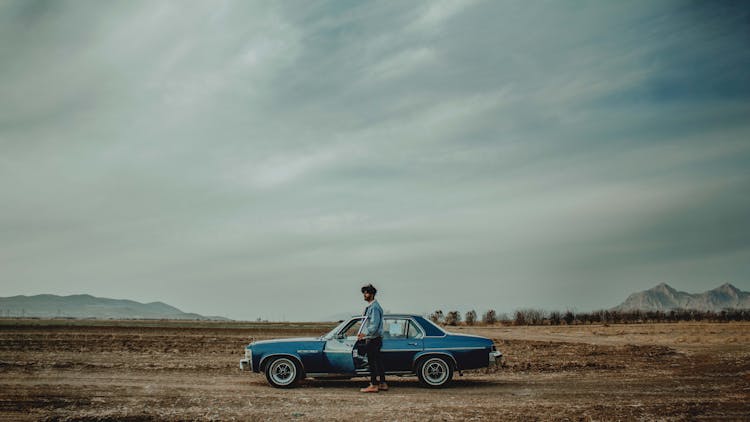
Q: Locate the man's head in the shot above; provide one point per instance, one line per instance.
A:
(369, 292)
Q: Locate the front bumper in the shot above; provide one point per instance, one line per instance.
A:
(246, 364)
(495, 357)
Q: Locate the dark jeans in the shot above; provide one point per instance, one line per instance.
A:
(375, 359)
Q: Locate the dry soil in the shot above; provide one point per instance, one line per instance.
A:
(131, 370)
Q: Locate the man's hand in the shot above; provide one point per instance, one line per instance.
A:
(360, 336)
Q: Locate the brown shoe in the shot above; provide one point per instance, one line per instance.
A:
(369, 389)
(383, 387)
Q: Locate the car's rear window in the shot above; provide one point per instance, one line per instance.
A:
(429, 328)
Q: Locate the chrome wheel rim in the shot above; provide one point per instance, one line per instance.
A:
(435, 371)
(283, 371)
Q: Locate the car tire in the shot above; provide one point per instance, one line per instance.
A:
(283, 372)
(434, 372)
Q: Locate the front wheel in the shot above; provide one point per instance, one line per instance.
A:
(434, 372)
(282, 372)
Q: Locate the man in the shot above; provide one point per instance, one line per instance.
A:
(372, 334)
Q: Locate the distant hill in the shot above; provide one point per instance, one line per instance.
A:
(87, 306)
(664, 298)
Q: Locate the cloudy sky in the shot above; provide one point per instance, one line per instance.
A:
(265, 159)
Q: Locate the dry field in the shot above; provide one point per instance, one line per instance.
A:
(128, 370)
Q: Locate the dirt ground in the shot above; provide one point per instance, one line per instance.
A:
(129, 370)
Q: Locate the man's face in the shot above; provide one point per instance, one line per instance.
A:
(368, 296)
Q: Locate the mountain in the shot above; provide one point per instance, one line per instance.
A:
(663, 297)
(87, 306)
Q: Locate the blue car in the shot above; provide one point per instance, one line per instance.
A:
(412, 345)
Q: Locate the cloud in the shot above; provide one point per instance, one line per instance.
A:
(402, 63)
(437, 13)
(282, 169)
(539, 154)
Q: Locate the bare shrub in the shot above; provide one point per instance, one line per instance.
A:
(453, 318)
(437, 316)
(537, 316)
(489, 317)
(470, 317)
(569, 317)
(555, 317)
(530, 316)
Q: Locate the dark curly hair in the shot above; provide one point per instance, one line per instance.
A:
(369, 289)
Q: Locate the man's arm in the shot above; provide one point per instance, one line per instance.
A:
(377, 319)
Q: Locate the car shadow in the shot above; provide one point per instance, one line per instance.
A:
(410, 383)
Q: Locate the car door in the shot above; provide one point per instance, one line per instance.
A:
(339, 349)
(402, 340)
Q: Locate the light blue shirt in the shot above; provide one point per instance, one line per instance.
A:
(373, 325)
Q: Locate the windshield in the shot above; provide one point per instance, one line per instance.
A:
(331, 334)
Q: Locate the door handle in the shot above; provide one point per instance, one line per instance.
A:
(412, 344)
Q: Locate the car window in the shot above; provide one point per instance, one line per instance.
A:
(394, 328)
(414, 331)
(353, 329)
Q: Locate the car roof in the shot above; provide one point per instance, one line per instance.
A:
(394, 315)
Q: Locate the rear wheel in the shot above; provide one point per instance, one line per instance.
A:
(435, 372)
(282, 372)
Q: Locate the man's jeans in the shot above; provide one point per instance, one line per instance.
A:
(375, 359)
